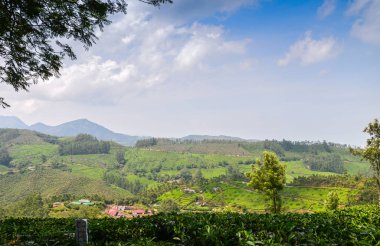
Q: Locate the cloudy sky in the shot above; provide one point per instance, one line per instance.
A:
(260, 69)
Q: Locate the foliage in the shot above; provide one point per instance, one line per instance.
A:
(169, 206)
(366, 193)
(371, 152)
(31, 35)
(314, 180)
(117, 179)
(120, 157)
(233, 173)
(185, 175)
(5, 159)
(145, 143)
(332, 201)
(353, 226)
(269, 177)
(32, 206)
(198, 176)
(83, 144)
(325, 163)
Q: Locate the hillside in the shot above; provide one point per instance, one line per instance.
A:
(50, 182)
(162, 169)
(10, 137)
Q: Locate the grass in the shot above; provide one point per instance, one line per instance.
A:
(86, 171)
(3, 169)
(33, 152)
(356, 167)
(149, 183)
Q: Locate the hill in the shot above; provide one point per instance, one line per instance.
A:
(10, 137)
(51, 182)
(161, 169)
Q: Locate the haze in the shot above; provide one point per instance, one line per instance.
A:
(299, 70)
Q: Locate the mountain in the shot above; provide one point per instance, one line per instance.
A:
(12, 122)
(76, 127)
(39, 127)
(71, 128)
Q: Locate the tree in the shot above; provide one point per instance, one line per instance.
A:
(185, 175)
(233, 172)
(371, 152)
(120, 157)
(332, 201)
(269, 177)
(32, 33)
(5, 159)
(198, 176)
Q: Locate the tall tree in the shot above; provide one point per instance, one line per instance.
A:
(32, 33)
(371, 152)
(269, 177)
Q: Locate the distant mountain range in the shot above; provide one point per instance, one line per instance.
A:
(73, 128)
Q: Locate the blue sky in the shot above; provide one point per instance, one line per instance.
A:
(260, 69)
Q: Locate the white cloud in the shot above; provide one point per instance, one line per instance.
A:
(182, 11)
(367, 24)
(309, 50)
(145, 53)
(326, 9)
(205, 43)
(357, 6)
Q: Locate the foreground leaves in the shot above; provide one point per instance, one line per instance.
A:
(353, 226)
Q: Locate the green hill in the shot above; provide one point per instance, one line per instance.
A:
(9, 137)
(120, 173)
(50, 182)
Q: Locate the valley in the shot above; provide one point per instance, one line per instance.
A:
(160, 170)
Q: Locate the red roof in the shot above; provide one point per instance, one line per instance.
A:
(138, 211)
(113, 212)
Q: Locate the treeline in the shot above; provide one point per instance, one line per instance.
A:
(347, 181)
(144, 143)
(281, 147)
(83, 144)
(364, 192)
(117, 179)
(325, 163)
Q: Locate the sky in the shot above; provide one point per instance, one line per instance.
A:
(256, 69)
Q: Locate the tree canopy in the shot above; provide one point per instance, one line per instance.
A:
(34, 35)
(371, 151)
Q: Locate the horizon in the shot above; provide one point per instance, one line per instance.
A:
(177, 137)
(254, 69)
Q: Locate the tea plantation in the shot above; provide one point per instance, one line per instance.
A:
(351, 226)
